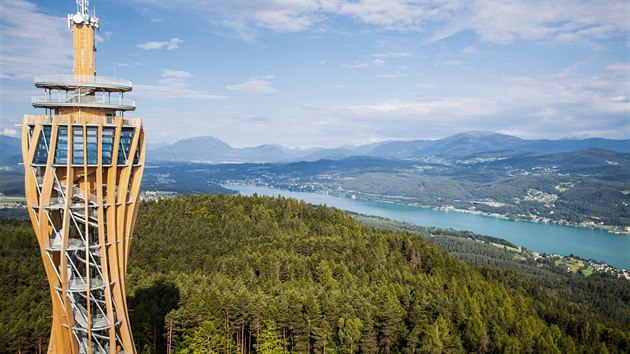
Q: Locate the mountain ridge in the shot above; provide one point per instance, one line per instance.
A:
(209, 149)
(10, 150)
(452, 147)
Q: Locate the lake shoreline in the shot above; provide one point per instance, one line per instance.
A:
(448, 208)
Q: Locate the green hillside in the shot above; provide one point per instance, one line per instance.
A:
(272, 275)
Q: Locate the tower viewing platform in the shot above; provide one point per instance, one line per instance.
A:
(73, 82)
(85, 91)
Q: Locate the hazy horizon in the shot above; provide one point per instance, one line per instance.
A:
(314, 73)
(165, 143)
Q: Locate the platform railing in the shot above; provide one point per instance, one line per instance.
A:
(88, 100)
(68, 79)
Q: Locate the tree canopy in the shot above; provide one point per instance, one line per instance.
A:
(234, 274)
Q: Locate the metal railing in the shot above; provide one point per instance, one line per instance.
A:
(78, 284)
(82, 80)
(80, 100)
(78, 192)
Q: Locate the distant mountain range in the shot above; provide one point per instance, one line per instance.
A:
(10, 151)
(459, 146)
(211, 149)
(579, 182)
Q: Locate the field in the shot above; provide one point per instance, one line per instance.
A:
(513, 249)
(6, 200)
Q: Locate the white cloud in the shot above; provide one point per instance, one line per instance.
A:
(168, 45)
(32, 42)
(173, 85)
(356, 66)
(492, 21)
(504, 22)
(451, 63)
(10, 132)
(165, 92)
(468, 50)
(285, 20)
(561, 104)
(376, 62)
(582, 96)
(100, 39)
(260, 85)
(245, 18)
(394, 14)
(294, 16)
(178, 74)
(392, 55)
(444, 107)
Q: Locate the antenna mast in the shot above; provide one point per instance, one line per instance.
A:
(83, 6)
(83, 15)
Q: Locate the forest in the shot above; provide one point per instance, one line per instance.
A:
(235, 274)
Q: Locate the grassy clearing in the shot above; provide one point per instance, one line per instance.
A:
(573, 264)
(5, 200)
(513, 249)
(588, 271)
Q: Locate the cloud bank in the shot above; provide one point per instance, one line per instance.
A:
(255, 85)
(168, 45)
(492, 21)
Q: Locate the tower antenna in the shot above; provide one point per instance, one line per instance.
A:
(83, 15)
(83, 6)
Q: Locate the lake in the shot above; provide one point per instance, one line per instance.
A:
(601, 245)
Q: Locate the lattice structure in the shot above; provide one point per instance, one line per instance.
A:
(83, 166)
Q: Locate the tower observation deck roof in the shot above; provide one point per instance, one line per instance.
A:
(71, 82)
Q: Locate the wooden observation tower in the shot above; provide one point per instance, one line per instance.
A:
(83, 163)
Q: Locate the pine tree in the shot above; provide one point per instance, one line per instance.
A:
(269, 341)
(349, 334)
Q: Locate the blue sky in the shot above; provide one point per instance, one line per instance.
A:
(306, 73)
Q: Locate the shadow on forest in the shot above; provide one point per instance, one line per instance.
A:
(147, 311)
